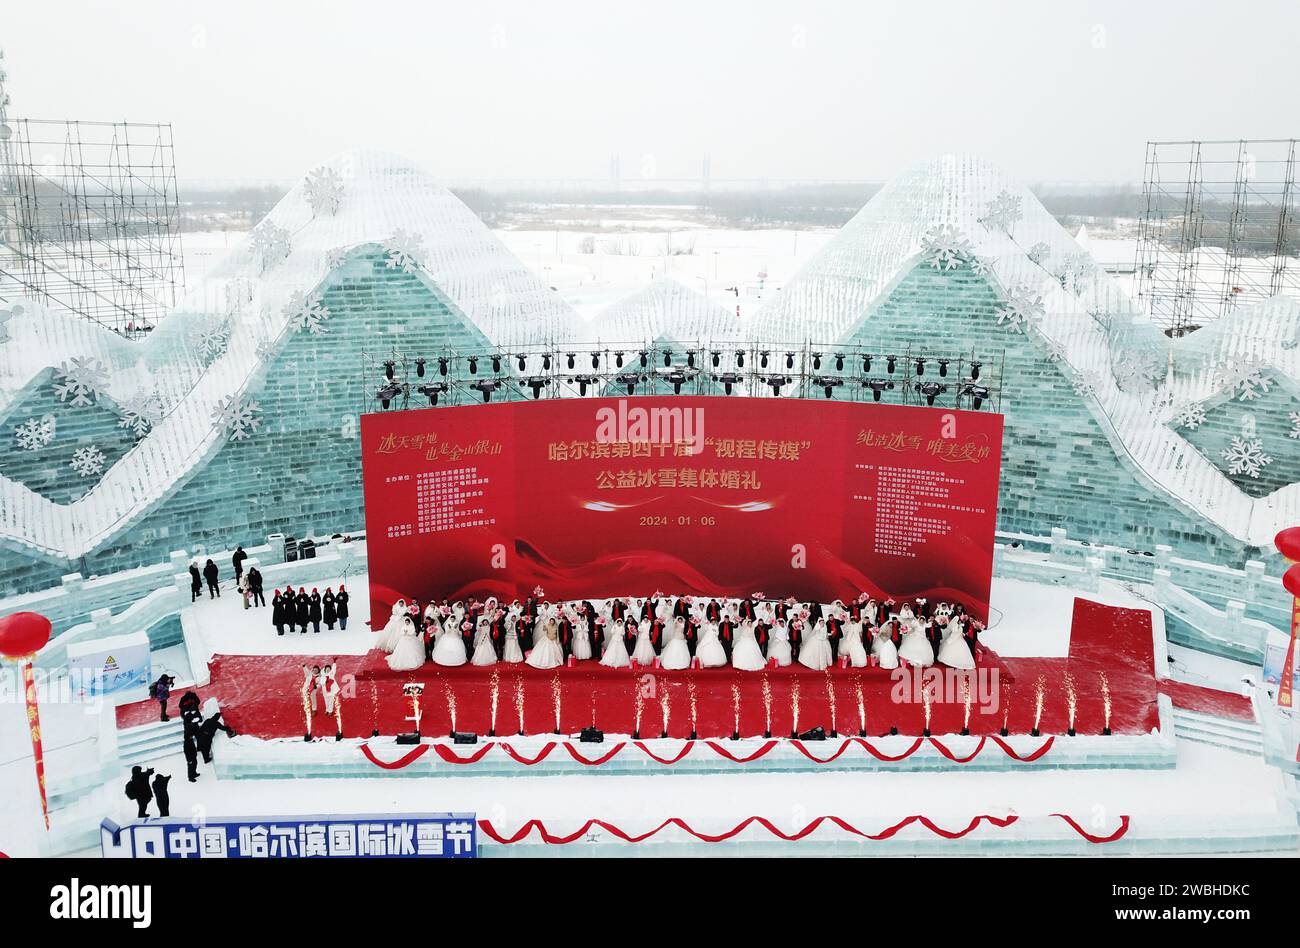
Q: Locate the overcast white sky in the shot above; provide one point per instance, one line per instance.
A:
(1053, 89)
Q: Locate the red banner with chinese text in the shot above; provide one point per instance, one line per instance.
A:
(715, 496)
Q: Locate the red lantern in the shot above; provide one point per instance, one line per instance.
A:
(1288, 543)
(23, 634)
(1291, 580)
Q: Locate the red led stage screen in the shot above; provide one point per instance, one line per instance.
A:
(718, 496)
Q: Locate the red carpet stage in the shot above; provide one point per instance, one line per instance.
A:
(261, 695)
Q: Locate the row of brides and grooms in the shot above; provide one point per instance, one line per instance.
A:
(681, 632)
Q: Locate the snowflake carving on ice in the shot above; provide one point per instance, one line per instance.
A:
(1247, 379)
(87, 461)
(1190, 416)
(212, 340)
(35, 433)
(1002, 212)
(265, 350)
(270, 243)
(1135, 368)
(1246, 457)
(237, 416)
(1086, 384)
(981, 266)
(141, 411)
(1022, 310)
(946, 248)
(403, 250)
(306, 312)
(5, 316)
(1040, 252)
(81, 382)
(324, 190)
(336, 257)
(1295, 425)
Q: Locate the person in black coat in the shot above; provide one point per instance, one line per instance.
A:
(341, 607)
(255, 586)
(238, 562)
(137, 789)
(208, 733)
(190, 745)
(210, 574)
(314, 612)
(328, 609)
(302, 610)
(196, 582)
(160, 793)
(277, 613)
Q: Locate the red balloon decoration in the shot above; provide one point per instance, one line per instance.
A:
(23, 634)
(1291, 580)
(1288, 543)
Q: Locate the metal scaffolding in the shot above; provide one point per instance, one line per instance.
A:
(90, 219)
(1219, 230)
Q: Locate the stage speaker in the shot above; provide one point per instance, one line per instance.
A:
(816, 734)
(591, 735)
(463, 737)
(411, 737)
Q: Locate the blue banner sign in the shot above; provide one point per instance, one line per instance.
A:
(434, 836)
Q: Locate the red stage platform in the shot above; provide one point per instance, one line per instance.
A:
(261, 695)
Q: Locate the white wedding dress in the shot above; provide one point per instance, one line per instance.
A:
(915, 647)
(391, 633)
(778, 645)
(643, 650)
(484, 652)
(882, 646)
(815, 653)
(745, 654)
(546, 652)
(409, 653)
(677, 652)
(710, 651)
(581, 640)
(615, 651)
(851, 644)
(953, 650)
(510, 651)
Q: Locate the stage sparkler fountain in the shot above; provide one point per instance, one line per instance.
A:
(735, 711)
(664, 708)
(966, 698)
(494, 689)
(794, 709)
(1105, 702)
(519, 702)
(1071, 702)
(374, 708)
(862, 711)
(1006, 710)
(690, 692)
(451, 706)
(767, 707)
(555, 697)
(925, 704)
(1038, 705)
(830, 697)
(638, 704)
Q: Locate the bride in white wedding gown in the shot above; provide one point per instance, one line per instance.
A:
(710, 651)
(815, 653)
(953, 649)
(409, 653)
(547, 652)
(615, 655)
(745, 653)
(851, 644)
(915, 647)
(778, 644)
(391, 633)
(449, 647)
(882, 646)
(643, 650)
(677, 652)
(485, 652)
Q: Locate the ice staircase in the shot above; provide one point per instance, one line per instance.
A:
(1230, 733)
(137, 745)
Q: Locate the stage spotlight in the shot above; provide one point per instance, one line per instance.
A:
(920, 366)
(523, 361)
(537, 383)
(930, 390)
(817, 361)
(690, 358)
(496, 364)
(877, 386)
(728, 379)
(432, 391)
(975, 370)
(827, 383)
(629, 380)
(668, 358)
(388, 393)
(473, 365)
(740, 358)
(789, 360)
(419, 367)
(618, 360)
(890, 362)
(595, 360)
(571, 357)
(443, 362)
(388, 368)
(762, 359)
(978, 394)
(678, 378)
(591, 735)
(776, 381)
(585, 380)
(487, 387)
(839, 362)
(943, 367)
(645, 358)
(716, 356)
(866, 363)
(546, 362)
